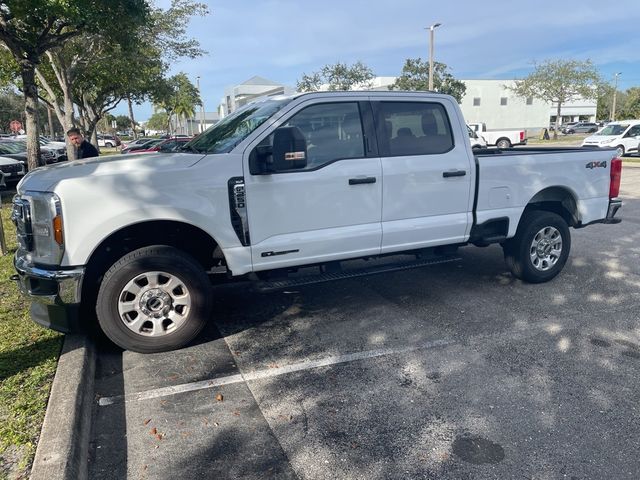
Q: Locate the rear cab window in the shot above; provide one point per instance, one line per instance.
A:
(413, 128)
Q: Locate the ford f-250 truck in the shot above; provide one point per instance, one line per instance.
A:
(282, 192)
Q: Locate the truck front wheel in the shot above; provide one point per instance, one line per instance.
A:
(540, 248)
(154, 299)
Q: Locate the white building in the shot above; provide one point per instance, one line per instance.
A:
(493, 103)
(239, 95)
(486, 101)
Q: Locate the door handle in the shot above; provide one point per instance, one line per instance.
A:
(454, 173)
(360, 181)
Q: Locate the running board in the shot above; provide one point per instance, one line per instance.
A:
(266, 286)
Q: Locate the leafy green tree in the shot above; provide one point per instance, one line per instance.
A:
(628, 107)
(559, 82)
(177, 96)
(339, 76)
(157, 121)
(31, 28)
(415, 77)
(122, 122)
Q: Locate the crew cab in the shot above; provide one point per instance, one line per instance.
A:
(500, 138)
(281, 193)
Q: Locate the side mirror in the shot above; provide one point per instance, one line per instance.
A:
(289, 152)
(289, 149)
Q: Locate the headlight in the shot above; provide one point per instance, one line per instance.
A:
(602, 142)
(46, 227)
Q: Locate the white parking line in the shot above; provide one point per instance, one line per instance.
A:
(266, 373)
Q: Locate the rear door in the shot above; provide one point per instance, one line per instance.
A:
(428, 173)
(329, 210)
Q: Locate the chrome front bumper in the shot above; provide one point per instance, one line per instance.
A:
(55, 294)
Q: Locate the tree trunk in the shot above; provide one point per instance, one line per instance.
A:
(133, 120)
(51, 132)
(28, 71)
(558, 121)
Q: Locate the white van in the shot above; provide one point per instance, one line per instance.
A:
(623, 135)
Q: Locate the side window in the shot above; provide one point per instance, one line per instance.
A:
(333, 131)
(415, 128)
(633, 131)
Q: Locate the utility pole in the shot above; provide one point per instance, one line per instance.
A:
(615, 93)
(201, 129)
(431, 29)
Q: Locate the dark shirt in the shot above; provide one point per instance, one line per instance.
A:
(87, 150)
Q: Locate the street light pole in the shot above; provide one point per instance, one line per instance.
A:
(201, 127)
(615, 93)
(431, 29)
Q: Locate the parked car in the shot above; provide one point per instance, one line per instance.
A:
(18, 150)
(500, 138)
(108, 141)
(582, 127)
(623, 136)
(168, 145)
(136, 142)
(12, 171)
(142, 146)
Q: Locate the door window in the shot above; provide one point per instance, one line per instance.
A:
(414, 128)
(333, 131)
(633, 131)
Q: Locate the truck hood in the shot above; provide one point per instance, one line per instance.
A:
(46, 178)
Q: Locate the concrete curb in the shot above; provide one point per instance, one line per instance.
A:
(63, 447)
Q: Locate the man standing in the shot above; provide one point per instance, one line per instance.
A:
(83, 148)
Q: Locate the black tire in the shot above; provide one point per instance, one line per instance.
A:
(503, 143)
(620, 151)
(530, 254)
(173, 306)
(108, 145)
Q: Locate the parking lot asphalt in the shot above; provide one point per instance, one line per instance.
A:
(455, 371)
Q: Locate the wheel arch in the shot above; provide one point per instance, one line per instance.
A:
(183, 236)
(556, 199)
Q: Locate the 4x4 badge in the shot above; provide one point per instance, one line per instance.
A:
(592, 165)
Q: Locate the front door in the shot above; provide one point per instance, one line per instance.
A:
(330, 209)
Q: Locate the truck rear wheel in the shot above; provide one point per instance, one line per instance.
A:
(503, 143)
(540, 248)
(154, 299)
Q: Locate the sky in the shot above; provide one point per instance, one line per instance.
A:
(495, 39)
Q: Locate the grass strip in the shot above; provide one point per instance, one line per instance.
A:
(28, 359)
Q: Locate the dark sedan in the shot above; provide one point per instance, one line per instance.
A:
(582, 127)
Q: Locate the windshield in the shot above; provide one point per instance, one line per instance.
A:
(230, 131)
(613, 130)
(12, 147)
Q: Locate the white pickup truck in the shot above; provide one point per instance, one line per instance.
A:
(281, 192)
(500, 138)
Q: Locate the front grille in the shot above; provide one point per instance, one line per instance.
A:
(13, 168)
(21, 217)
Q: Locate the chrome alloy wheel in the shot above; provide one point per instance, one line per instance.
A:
(546, 248)
(154, 304)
